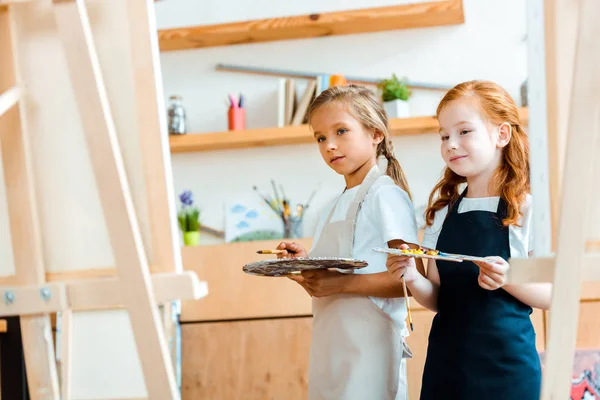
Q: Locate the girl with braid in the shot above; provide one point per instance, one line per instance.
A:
(358, 345)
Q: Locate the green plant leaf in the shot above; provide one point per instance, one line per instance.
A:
(394, 89)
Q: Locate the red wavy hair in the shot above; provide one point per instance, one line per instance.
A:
(511, 179)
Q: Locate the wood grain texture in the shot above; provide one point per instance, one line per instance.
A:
(291, 135)
(583, 145)
(117, 204)
(437, 13)
(42, 376)
(236, 295)
(246, 360)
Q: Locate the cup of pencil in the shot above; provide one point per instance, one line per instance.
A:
(236, 115)
(281, 205)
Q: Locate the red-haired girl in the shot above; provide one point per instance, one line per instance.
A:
(482, 341)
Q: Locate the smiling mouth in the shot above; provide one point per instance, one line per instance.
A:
(456, 158)
(336, 159)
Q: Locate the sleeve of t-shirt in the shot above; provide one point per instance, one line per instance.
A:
(432, 232)
(395, 215)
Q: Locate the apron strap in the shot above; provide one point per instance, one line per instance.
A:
(369, 180)
(371, 177)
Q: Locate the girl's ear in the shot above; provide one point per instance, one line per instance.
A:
(378, 136)
(504, 134)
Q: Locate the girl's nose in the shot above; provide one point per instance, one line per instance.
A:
(331, 145)
(451, 144)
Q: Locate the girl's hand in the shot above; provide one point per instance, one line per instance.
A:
(322, 283)
(492, 274)
(291, 250)
(401, 266)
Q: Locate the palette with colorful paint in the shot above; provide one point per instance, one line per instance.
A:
(428, 253)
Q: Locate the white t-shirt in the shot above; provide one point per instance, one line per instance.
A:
(387, 213)
(520, 238)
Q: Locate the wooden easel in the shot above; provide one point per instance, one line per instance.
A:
(134, 287)
(576, 260)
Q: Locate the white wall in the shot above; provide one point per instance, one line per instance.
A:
(490, 45)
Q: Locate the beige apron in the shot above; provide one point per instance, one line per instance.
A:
(357, 350)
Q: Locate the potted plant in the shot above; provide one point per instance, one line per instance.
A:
(395, 94)
(189, 219)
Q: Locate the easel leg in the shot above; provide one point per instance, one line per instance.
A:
(36, 330)
(582, 148)
(102, 141)
(64, 339)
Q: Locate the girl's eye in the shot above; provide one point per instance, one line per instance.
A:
(341, 131)
(445, 137)
(464, 132)
(320, 139)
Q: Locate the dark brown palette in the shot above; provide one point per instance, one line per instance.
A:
(290, 266)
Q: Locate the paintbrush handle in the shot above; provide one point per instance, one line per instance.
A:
(270, 251)
(407, 304)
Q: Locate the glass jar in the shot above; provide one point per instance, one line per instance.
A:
(176, 116)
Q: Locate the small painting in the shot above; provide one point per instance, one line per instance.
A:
(251, 219)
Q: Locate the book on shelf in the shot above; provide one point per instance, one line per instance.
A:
(302, 108)
(292, 110)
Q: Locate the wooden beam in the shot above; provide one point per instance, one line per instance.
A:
(154, 136)
(543, 269)
(561, 17)
(32, 299)
(93, 294)
(64, 339)
(291, 135)
(106, 293)
(419, 15)
(9, 2)
(36, 331)
(9, 99)
(154, 140)
(107, 162)
(583, 146)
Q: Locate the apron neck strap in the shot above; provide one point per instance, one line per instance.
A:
(364, 187)
(459, 200)
(369, 180)
(501, 211)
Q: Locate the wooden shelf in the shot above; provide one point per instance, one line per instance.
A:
(289, 135)
(436, 13)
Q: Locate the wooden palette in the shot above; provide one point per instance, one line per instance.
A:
(440, 256)
(290, 266)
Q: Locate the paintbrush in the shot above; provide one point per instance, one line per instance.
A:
(266, 199)
(270, 251)
(311, 196)
(276, 193)
(284, 197)
(407, 304)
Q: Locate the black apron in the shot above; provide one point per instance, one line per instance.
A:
(482, 342)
